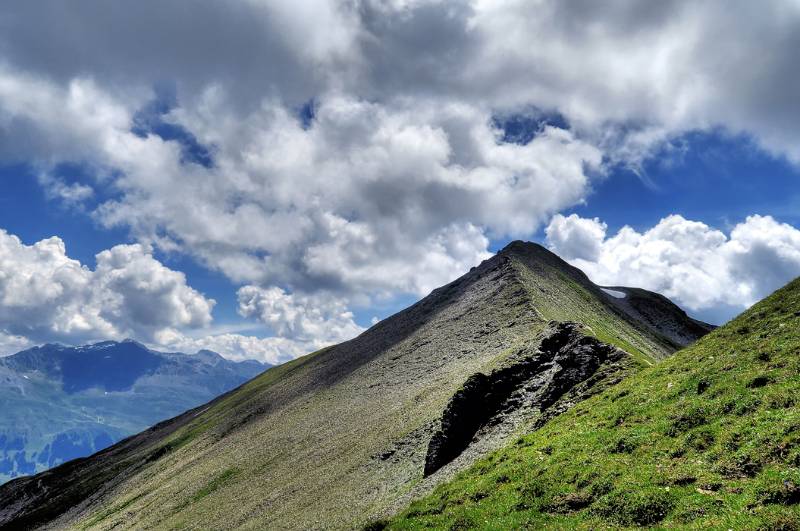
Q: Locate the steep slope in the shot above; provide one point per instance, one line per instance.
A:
(658, 313)
(343, 435)
(708, 439)
(59, 402)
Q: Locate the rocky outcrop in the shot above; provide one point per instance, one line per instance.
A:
(536, 379)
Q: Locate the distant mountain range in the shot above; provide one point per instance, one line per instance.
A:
(60, 403)
(354, 432)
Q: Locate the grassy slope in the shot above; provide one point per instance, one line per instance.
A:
(297, 446)
(709, 438)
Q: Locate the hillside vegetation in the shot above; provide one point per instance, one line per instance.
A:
(707, 439)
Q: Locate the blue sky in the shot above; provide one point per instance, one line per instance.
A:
(717, 179)
(264, 208)
(712, 177)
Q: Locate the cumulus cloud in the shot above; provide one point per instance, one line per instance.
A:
(646, 67)
(46, 123)
(701, 268)
(317, 318)
(645, 71)
(47, 296)
(137, 289)
(396, 176)
(238, 347)
(576, 237)
(371, 199)
(70, 193)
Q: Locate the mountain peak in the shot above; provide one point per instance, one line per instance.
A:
(371, 405)
(208, 356)
(521, 246)
(132, 343)
(111, 344)
(534, 251)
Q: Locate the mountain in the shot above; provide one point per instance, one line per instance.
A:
(708, 439)
(60, 403)
(355, 431)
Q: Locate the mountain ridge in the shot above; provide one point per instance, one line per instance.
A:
(341, 435)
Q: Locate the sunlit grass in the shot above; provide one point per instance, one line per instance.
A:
(709, 438)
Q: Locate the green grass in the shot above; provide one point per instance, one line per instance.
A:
(215, 484)
(113, 510)
(709, 438)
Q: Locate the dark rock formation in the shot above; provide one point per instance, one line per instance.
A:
(565, 357)
(468, 410)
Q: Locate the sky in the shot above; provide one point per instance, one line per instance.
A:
(264, 178)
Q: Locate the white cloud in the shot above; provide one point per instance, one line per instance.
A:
(47, 296)
(319, 318)
(646, 70)
(576, 237)
(238, 347)
(356, 202)
(48, 123)
(70, 193)
(137, 289)
(627, 75)
(10, 344)
(372, 199)
(764, 252)
(401, 178)
(697, 266)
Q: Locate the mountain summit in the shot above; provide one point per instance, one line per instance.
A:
(357, 430)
